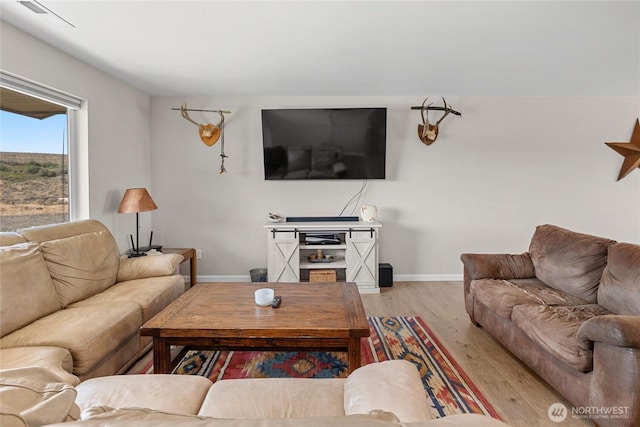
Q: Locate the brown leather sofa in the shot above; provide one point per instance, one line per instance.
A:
(70, 303)
(570, 309)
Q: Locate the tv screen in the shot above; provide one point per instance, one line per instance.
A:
(324, 143)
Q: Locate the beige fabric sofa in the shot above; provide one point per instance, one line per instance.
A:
(71, 303)
(570, 309)
(381, 394)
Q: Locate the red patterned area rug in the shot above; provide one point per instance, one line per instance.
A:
(449, 390)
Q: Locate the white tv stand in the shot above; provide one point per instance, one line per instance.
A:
(355, 254)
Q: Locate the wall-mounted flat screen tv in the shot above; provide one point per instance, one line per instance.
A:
(324, 143)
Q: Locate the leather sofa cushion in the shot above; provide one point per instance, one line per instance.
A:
(152, 295)
(9, 238)
(105, 416)
(569, 261)
(67, 259)
(45, 233)
(619, 289)
(91, 333)
(81, 266)
(255, 397)
(27, 292)
(34, 397)
(156, 392)
(392, 385)
(388, 386)
(502, 295)
(554, 328)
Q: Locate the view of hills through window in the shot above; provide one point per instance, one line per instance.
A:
(34, 172)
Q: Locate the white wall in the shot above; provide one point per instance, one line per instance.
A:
(114, 139)
(503, 167)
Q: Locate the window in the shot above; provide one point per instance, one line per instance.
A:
(34, 154)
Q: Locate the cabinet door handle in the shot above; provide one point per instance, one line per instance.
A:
(371, 231)
(274, 231)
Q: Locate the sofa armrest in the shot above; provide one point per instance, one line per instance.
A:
(612, 329)
(493, 266)
(498, 266)
(616, 366)
(148, 266)
(56, 360)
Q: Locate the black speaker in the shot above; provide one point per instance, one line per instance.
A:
(385, 275)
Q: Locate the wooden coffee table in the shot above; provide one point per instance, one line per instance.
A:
(224, 316)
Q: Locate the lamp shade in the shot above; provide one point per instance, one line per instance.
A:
(136, 200)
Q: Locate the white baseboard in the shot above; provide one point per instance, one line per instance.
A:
(238, 278)
(396, 278)
(427, 277)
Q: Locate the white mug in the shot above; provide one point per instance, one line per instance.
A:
(264, 296)
(368, 213)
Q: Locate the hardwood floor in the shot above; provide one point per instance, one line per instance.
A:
(518, 394)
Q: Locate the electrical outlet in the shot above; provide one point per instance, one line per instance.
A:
(198, 253)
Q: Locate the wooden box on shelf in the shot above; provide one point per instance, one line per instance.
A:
(322, 276)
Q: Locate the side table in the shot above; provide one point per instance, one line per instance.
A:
(189, 254)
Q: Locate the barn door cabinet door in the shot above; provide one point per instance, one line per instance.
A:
(283, 263)
(361, 257)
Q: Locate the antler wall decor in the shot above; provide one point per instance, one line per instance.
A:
(428, 132)
(209, 133)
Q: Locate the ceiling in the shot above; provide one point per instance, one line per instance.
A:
(357, 47)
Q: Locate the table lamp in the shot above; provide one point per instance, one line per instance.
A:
(136, 200)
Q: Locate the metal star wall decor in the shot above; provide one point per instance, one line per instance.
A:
(630, 150)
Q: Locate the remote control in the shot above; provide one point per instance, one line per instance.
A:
(276, 301)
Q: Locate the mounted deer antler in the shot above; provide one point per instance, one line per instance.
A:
(426, 131)
(209, 134)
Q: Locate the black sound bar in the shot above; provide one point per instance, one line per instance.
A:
(323, 219)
